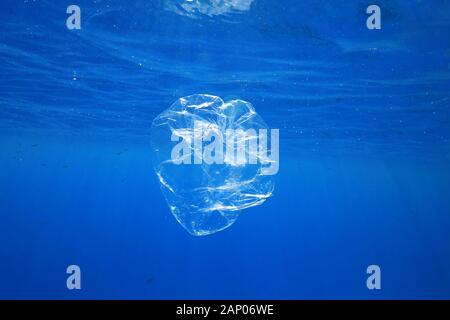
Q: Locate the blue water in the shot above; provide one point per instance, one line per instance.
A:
(364, 119)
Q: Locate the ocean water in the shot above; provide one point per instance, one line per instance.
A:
(364, 119)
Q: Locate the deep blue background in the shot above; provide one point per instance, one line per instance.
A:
(364, 174)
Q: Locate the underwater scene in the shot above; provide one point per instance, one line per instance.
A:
(224, 149)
